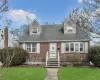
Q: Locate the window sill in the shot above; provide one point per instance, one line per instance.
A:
(32, 52)
(75, 52)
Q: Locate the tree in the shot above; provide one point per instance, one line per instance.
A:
(4, 7)
(88, 18)
(18, 33)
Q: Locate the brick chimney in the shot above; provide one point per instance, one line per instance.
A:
(6, 37)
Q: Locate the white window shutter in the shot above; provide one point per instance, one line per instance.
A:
(62, 47)
(23, 45)
(86, 47)
(38, 47)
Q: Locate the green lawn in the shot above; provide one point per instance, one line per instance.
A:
(24, 74)
(79, 74)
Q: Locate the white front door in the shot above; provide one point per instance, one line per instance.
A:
(53, 50)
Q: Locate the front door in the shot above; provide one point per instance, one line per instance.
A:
(53, 50)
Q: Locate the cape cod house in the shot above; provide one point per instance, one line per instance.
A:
(54, 44)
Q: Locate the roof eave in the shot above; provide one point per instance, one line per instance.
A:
(57, 40)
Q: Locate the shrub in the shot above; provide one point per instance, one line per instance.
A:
(14, 56)
(94, 55)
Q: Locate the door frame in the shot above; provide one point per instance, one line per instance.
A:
(50, 50)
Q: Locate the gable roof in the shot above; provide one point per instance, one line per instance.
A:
(53, 33)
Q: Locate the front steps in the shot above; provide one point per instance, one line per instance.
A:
(52, 63)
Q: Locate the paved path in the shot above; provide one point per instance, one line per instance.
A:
(52, 74)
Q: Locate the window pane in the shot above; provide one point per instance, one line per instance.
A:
(81, 47)
(76, 47)
(34, 47)
(72, 47)
(70, 30)
(67, 47)
(28, 47)
(34, 50)
(34, 30)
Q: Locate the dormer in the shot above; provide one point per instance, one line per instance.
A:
(35, 28)
(69, 27)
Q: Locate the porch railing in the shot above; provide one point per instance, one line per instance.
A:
(47, 57)
(58, 59)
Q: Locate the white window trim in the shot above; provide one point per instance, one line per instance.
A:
(31, 48)
(74, 47)
(83, 47)
(37, 30)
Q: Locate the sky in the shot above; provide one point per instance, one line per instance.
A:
(52, 11)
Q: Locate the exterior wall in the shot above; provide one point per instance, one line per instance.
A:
(69, 56)
(66, 57)
(44, 47)
(3, 38)
(37, 57)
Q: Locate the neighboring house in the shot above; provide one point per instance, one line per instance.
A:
(3, 38)
(54, 43)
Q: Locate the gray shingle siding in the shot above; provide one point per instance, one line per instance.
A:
(53, 33)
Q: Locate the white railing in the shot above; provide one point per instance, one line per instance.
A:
(58, 59)
(47, 57)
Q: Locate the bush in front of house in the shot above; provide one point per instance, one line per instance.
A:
(12, 56)
(94, 55)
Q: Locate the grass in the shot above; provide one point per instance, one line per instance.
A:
(24, 74)
(79, 74)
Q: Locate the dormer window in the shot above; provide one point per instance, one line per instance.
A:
(35, 30)
(69, 29)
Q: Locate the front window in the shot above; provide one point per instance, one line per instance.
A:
(67, 47)
(34, 30)
(34, 49)
(74, 47)
(28, 47)
(31, 47)
(71, 46)
(81, 46)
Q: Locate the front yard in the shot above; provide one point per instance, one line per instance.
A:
(79, 74)
(24, 74)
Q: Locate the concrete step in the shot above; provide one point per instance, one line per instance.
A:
(53, 59)
(52, 62)
(52, 66)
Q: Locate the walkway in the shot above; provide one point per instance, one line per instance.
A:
(52, 74)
